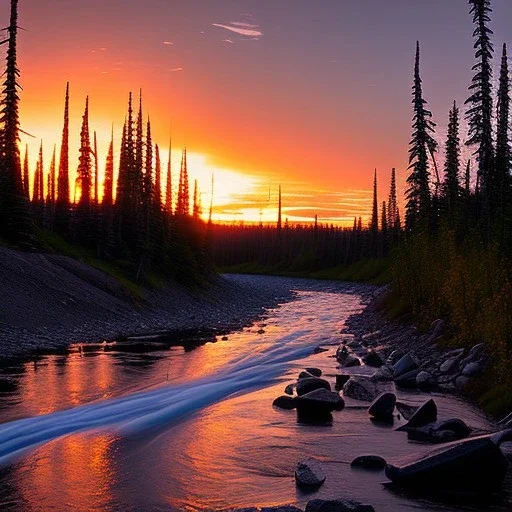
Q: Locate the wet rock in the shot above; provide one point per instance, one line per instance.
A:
(309, 473)
(461, 383)
(305, 375)
(281, 508)
(360, 388)
(306, 385)
(424, 415)
(319, 505)
(321, 402)
(320, 349)
(351, 361)
(394, 357)
(473, 369)
(476, 465)
(342, 353)
(373, 359)
(408, 379)
(425, 380)
(316, 372)
(383, 406)
(261, 331)
(224, 338)
(405, 365)
(285, 402)
(440, 432)
(369, 462)
(449, 365)
(383, 374)
(341, 380)
(477, 351)
(289, 389)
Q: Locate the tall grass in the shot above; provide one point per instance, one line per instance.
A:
(469, 284)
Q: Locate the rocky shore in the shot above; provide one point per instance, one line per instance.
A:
(49, 301)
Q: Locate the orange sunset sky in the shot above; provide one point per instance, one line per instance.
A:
(310, 94)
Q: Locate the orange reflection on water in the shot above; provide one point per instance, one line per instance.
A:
(73, 473)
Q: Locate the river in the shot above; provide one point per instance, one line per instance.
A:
(109, 429)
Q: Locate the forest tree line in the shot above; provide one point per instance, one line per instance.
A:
(130, 221)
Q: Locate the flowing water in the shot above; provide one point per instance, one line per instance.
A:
(103, 428)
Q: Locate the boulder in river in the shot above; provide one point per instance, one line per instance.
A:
(408, 379)
(316, 372)
(309, 473)
(440, 431)
(406, 410)
(350, 361)
(360, 388)
(424, 415)
(320, 402)
(383, 374)
(289, 389)
(341, 353)
(474, 465)
(341, 380)
(383, 406)
(281, 508)
(373, 359)
(369, 462)
(305, 375)
(304, 386)
(425, 380)
(404, 365)
(285, 402)
(319, 505)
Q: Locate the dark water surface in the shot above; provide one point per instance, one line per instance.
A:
(107, 429)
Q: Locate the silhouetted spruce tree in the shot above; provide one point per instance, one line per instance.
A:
(168, 185)
(84, 172)
(96, 171)
(501, 181)
(108, 185)
(479, 113)
(26, 175)
(451, 186)
(51, 192)
(374, 222)
(392, 202)
(196, 209)
(38, 192)
(183, 205)
(279, 211)
(157, 196)
(384, 219)
(62, 206)
(15, 221)
(418, 194)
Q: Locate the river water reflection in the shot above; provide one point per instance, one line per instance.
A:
(195, 430)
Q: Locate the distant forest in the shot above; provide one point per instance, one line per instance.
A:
(130, 221)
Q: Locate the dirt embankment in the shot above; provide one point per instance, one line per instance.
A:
(48, 301)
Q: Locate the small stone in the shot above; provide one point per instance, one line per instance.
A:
(369, 462)
(289, 389)
(424, 415)
(360, 388)
(316, 372)
(406, 364)
(425, 380)
(449, 365)
(319, 402)
(351, 361)
(305, 375)
(373, 359)
(341, 380)
(309, 473)
(472, 369)
(285, 402)
(305, 386)
(319, 505)
(383, 406)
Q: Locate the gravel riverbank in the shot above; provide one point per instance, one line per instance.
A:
(49, 301)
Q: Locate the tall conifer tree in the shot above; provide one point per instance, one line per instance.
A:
(452, 187)
(422, 143)
(479, 113)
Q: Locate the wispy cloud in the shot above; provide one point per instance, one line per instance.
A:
(168, 43)
(176, 69)
(242, 28)
(228, 41)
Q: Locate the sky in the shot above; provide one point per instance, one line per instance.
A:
(309, 94)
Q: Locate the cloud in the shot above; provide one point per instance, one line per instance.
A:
(244, 24)
(176, 69)
(241, 29)
(228, 41)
